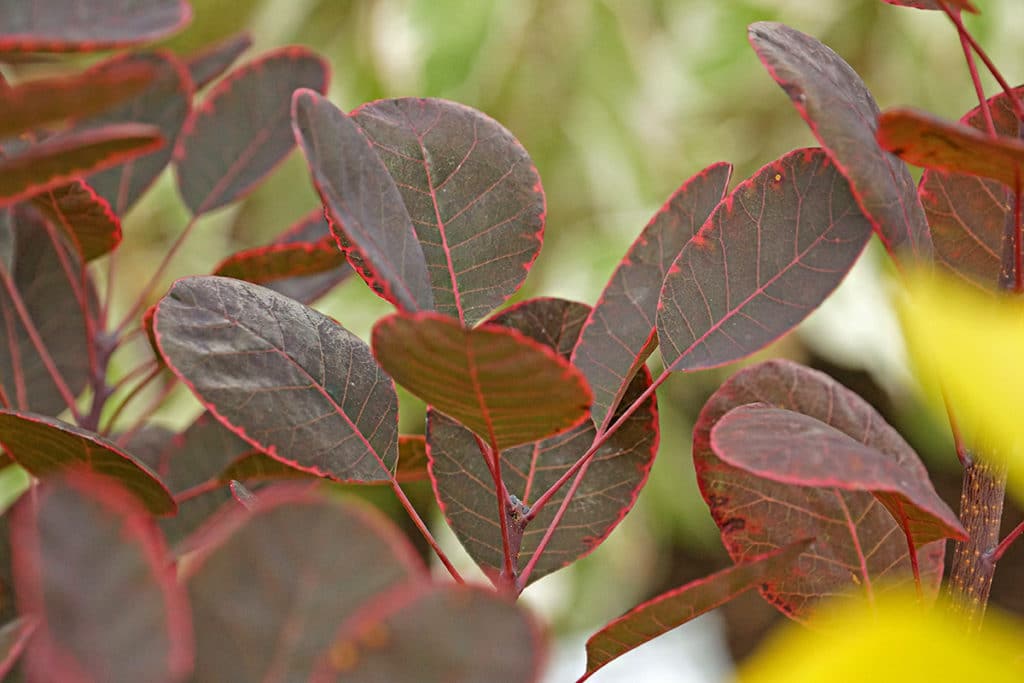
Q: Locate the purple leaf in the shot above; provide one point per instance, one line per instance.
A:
(366, 210)
(842, 114)
(285, 378)
(790, 448)
(680, 605)
(241, 130)
(619, 335)
(309, 564)
(858, 545)
(87, 25)
(436, 634)
(472, 192)
(213, 61)
(464, 486)
(93, 568)
(46, 446)
(84, 216)
(262, 265)
(308, 288)
(767, 257)
(504, 386)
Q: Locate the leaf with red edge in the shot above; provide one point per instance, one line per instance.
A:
(925, 140)
(472, 192)
(46, 447)
(968, 214)
(310, 563)
(47, 276)
(767, 257)
(506, 387)
(674, 608)
(285, 378)
(241, 131)
(261, 265)
(61, 158)
(45, 101)
(791, 448)
(464, 486)
(93, 568)
(619, 335)
(858, 545)
(214, 60)
(934, 5)
(436, 634)
(87, 25)
(308, 288)
(84, 216)
(366, 210)
(842, 114)
(166, 104)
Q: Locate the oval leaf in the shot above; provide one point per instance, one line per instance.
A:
(619, 334)
(472, 192)
(241, 131)
(504, 386)
(366, 210)
(84, 216)
(288, 380)
(858, 545)
(46, 446)
(842, 114)
(767, 257)
(310, 564)
(93, 568)
(281, 261)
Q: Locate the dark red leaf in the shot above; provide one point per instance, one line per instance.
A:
(308, 288)
(57, 160)
(308, 565)
(790, 448)
(680, 605)
(87, 25)
(13, 637)
(472, 192)
(968, 214)
(504, 386)
(45, 101)
(165, 104)
(619, 335)
(53, 299)
(285, 378)
(412, 458)
(767, 257)
(933, 4)
(465, 489)
(241, 131)
(365, 207)
(261, 265)
(45, 447)
(858, 545)
(842, 114)
(85, 217)
(213, 61)
(436, 634)
(93, 567)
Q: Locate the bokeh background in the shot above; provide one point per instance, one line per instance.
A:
(618, 102)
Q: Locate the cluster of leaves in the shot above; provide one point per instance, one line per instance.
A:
(542, 419)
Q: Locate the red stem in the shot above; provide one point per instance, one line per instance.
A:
(979, 90)
(153, 374)
(1001, 549)
(418, 521)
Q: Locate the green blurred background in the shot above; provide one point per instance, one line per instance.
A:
(618, 102)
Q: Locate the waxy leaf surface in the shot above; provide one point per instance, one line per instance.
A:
(968, 214)
(93, 568)
(768, 256)
(504, 386)
(678, 606)
(213, 61)
(13, 637)
(436, 634)
(241, 130)
(620, 332)
(365, 208)
(87, 25)
(472, 192)
(842, 114)
(309, 565)
(61, 158)
(285, 378)
(791, 448)
(312, 229)
(46, 446)
(858, 546)
(465, 488)
(84, 216)
(934, 5)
